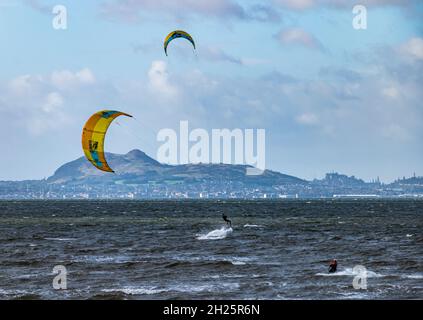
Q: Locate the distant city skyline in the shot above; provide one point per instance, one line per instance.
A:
(331, 98)
(141, 177)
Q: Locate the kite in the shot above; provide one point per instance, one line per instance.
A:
(93, 136)
(177, 34)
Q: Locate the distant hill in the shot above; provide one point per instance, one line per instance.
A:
(138, 176)
(136, 167)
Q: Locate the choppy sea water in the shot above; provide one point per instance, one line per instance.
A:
(181, 249)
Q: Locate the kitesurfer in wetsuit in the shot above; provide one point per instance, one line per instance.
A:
(333, 265)
(229, 222)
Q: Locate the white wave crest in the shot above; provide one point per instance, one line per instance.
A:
(350, 272)
(217, 234)
(413, 276)
(60, 239)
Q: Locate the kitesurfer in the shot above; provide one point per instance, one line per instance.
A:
(225, 217)
(332, 266)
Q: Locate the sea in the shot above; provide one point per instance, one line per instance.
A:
(275, 249)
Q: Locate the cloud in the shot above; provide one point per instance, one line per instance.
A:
(49, 116)
(54, 101)
(207, 52)
(296, 4)
(135, 11)
(25, 84)
(403, 62)
(263, 13)
(37, 103)
(217, 54)
(413, 48)
(339, 4)
(38, 6)
(298, 36)
(66, 79)
(254, 61)
(307, 119)
(159, 79)
(340, 73)
(277, 77)
(391, 92)
(130, 10)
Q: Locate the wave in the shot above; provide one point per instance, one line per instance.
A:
(60, 239)
(217, 234)
(136, 291)
(211, 263)
(120, 259)
(208, 260)
(14, 293)
(183, 288)
(350, 272)
(27, 276)
(413, 276)
(253, 226)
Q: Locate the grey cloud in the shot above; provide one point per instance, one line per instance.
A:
(130, 11)
(341, 4)
(279, 78)
(134, 10)
(38, 6)
(217, 54)
(340, 73)
(298, 36)
(263, 13)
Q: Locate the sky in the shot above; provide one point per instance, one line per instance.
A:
(330, 97)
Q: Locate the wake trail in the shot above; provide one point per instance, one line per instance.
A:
(217, 234)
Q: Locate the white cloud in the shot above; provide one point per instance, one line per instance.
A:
(413, 48)
(329, 109)
(66, 79)
(214, 53)
(38, 102)
(54, 101)
(135, 11)
(391, 92)
(307, 119)
(130, 10)
(342, 4)
(38, 6)
(24, 85)
(296, 4)
(20, 85)
(298, 36)
(159, 79)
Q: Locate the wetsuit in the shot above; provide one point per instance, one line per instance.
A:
(332, 267)
(229, 222)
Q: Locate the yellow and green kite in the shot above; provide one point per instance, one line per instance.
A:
(93, 136)
(177, 34)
